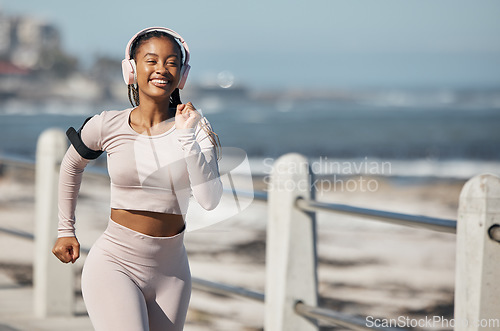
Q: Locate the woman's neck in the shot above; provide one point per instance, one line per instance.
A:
(150, 113)
(152, 118)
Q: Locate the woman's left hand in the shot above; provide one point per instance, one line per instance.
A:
(186, 116)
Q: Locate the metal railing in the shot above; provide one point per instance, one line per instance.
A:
(224, 289)
(429, 223)
(336, 318)
(291, 262)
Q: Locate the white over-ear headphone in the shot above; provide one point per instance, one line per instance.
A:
(129, 67)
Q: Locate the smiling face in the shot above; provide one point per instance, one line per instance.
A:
(158, 62)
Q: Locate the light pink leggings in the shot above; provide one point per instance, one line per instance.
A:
(132, 281)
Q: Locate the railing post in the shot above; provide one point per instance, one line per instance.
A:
(53, 281)
(477, 285)
(290, 248)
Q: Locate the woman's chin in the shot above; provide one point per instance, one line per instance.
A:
(158, 95)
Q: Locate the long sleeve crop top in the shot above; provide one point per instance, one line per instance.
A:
(151, 173)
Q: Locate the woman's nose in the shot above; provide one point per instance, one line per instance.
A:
(161, 68)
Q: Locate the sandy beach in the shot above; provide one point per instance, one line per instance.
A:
(365, 268)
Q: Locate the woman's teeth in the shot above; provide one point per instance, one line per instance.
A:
(159, 81)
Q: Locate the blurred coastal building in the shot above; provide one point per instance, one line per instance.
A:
(24, 41)
(33, 44)
(30, 53)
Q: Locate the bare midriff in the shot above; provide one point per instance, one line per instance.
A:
(149, 223)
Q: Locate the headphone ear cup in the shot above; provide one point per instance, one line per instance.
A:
(129, 71)
(185, 72)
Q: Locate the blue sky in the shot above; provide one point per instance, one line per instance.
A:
(299, 44)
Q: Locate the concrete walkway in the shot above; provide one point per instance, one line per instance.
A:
(16, 311)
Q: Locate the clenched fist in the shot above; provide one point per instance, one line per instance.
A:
(67, 249)
(186, 116)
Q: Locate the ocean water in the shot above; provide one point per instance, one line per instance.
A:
(430, 140)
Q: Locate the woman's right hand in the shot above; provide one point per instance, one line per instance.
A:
(186, 116)
(67, 249)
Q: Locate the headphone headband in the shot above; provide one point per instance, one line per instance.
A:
(161, 29)
(128, 64)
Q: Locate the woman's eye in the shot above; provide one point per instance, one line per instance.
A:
(151, 61)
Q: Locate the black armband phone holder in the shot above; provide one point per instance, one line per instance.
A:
(77, 142)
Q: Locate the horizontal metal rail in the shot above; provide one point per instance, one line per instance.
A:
(218, 288)
(256, 195)
(336, 318)
(18, 233)
(27, 163)
(431, 223)
(17, 161)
